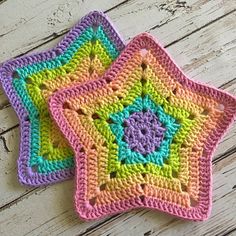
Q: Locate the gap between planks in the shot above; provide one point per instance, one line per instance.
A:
(176, 225)
(223, 86)
(20, 198)
(167, 45)
(123, 9)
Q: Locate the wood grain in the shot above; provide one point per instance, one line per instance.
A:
(199, 35)
(222, 219)
(169, 20)
(35, 218)
(211, 59)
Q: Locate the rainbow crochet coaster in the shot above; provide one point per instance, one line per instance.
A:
(143, 135)
(85, 53)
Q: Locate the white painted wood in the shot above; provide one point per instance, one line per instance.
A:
(9, 185)
(222, 219)
(34, 22)
(8, 118)
(207, 55)
(50, 212)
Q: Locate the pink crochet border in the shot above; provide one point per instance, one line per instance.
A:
(87, 212)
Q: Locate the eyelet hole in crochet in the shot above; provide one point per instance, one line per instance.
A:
(109, 121)
(55, 144)
(168, 99)
(144, 175)
(104, 144)
(82, 150)
(143, 131)
(193, 203)
(174, 141)
(95, 27)
(112, 174)
(66, 105)
(144, 66)
(92, 201)
(142, 198)
(92, 55)
(220, 107)
(102, 187)
(108, 80)
(90, 70)
(95, 116)
(93, 41)
(45, 155)
(42, 86)
(174, 174)
(26, 118)
(80, 112)
(125, 125)
(166, 161)
(174, 91)
(123, 162)
(183, 145)
(114, 88)
(143, 81)
(29, 80)
(58, 52)
(15, 75)
(142, 186)
(178, 121)
(192, 117)
(143, 52)
(119, 97)
(34, 169)
(205, 112)
(184, 187)
(93, 147)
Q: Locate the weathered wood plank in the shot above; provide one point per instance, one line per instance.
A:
(169, 20)
(43, 21)
(207, 55)
(9, 185)
(32, 216)
(8, 118)
(222, 220)
(204, 55)
(182, 53)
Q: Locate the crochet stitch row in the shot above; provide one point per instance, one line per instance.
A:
(143, 135)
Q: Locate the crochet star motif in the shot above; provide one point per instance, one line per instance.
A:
(84, 54)
(143, 135)
(140, 130)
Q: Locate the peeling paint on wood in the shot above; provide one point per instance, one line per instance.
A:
(200, 36)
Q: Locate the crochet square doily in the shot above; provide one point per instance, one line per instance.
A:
(84, 54)
(144, 135)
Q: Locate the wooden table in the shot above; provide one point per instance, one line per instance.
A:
(199, 34)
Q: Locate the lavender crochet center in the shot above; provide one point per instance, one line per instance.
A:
(143, 132)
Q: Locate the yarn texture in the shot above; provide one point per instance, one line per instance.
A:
(84, 54)
(143, 135)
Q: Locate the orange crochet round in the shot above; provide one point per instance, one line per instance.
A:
(143, 135)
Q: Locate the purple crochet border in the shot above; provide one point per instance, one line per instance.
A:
(25, 174)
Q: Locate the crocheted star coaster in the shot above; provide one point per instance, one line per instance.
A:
(143, 135)
(84, 53)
